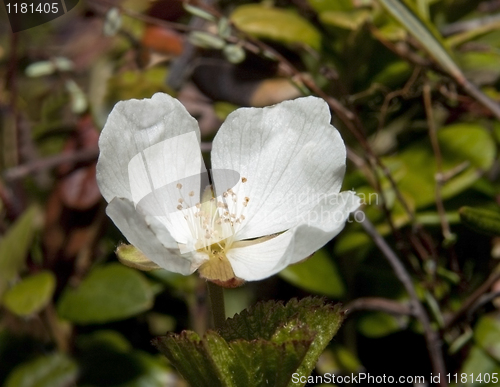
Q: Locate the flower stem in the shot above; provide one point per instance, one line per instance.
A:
(216, 296)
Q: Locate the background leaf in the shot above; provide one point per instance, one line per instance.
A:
(30, 295)
(15, 244)
(54, 370)
(275, 24)
(317, 274)
(109, 293)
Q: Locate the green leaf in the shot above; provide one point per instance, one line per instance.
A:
(192, 359)
(195, 11)
(15, 350)
(234, 53)
(481, 220)
(264, 319)
(466, 144)
(393, 32)
(423, 32)
(14, 246)
(350, 241)
(480, 67)
(479, 363)
(351, 20)
(30, 295)
(275, 24)
(487, 336)
(206, 40)
(55, 370)
(282, 339)
(378, 324)
(328, 5)
(124, 366)
(393, 74)
(109, 293)
(155, 372)
(318, 274)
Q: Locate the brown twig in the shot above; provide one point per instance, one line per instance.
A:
(469, 302)
(439, 161)
(464, 26)
(24, 170)
(83, 156)
(431, 337)
(378, 304)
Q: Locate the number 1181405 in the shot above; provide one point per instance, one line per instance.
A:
(32, 8)
(473, 378)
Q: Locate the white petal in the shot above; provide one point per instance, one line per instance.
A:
(128, 140)
(143, 236)
(255, 261)
(290, 156)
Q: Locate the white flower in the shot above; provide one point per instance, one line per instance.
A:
(276, 176)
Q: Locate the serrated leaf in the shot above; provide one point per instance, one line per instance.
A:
(275, 24)
(262, 346)
(15, 244)
(215, 362)
(264, 320)
(318, 274)
(189, 355)
(109, 293)
(30, 295)
(55, 370)
(274, 362)
(481, 220)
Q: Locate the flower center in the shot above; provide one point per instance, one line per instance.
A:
(213, 224)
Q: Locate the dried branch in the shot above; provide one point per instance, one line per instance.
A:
(83, 156)
(378, 304)
(431, 337)
(471, 300)
(468, 25)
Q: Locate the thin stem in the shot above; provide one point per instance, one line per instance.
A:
(216, 297)
(431, 337)
(378, 304)
(439, 162)
(469, 302)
